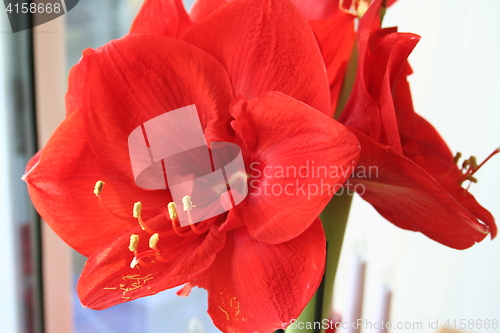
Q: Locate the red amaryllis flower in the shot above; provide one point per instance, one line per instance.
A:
(417, 185)
(262, 86)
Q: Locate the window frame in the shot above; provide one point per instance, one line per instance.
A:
(50, 63)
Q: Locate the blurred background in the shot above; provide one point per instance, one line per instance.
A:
(456, 86)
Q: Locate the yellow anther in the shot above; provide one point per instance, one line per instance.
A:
(465, 164)
(153, 241)
(473, 162)
(472, 178)
(457, 157)
(98, 187)
(172, 210)
(363, 7)
(137, 209)
(187, 204)
(134, 242)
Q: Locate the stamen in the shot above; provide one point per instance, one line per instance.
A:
(363, 7)
(172, 210)
(199, 231)
(144, 226)
(137, 211)
(134, 242)
(145, 254)
(473, 162)
(178, 231)
(457, 158)
(153, 241)
(471, 178)
(137, 260)
(496, 151)
(470, 167)
(98, 187)
(187, 206)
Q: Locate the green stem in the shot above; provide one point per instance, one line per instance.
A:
(348, 84)
(334, 219)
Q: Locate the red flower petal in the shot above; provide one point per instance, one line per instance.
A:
(317, 9)
(336, 37)
(139, 77)
(370, 108)
(255, 287)
(203, 8)
(161, 17)
(76, 83)
(60, 182)
(409, 197)
(421, 142)
(265, 46)
(310, 10)
(285, 143)
(107, 278)
(424, 146)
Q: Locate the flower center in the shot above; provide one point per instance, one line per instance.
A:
(145, 258)
(470, 167)
(357, 7)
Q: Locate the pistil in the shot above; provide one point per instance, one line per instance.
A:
(187, 205)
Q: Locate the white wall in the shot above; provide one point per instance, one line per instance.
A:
(456, 86)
